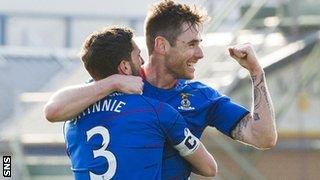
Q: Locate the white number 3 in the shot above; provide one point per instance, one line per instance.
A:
(103, 152)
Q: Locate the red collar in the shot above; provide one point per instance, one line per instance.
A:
(143, 74)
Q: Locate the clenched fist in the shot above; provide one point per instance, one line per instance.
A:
(244, 54)
(128, 84)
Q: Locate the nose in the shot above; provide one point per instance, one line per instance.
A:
(199, 53)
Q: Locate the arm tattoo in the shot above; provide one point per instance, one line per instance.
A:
(256, 116)
(256, 97)
(259, 92)
(255, 79)
(237, 133)
(256, 90)
(260, 95)
(265, 94)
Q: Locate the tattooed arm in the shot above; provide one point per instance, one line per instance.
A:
(257, 128)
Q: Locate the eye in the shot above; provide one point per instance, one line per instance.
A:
(193, 45)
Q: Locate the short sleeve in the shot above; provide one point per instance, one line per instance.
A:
(224, 114)
(172, 124)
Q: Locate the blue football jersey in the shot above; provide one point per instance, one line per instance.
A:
(201, 106)
(122, 137)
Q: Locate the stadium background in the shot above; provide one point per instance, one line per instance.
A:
(38, 44)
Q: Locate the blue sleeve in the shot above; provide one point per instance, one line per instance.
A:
(224, 115)
(172, 124)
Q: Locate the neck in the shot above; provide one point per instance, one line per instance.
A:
(157, 74)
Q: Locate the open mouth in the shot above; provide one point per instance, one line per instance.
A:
(191, 65)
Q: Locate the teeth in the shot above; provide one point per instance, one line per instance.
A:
(191, 64)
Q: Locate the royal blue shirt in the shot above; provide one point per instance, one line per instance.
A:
(201, 106)
(122, 137)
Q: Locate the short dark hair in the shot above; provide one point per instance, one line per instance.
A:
(103, 51)
(166, 19)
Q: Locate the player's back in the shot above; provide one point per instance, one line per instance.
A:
(118, 137)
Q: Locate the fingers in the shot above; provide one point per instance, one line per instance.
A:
(135, 85)
(129, 84)
(140, 86)
(238, 52)
(231, 51)
(245, 55)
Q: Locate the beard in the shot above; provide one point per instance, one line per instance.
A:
(135, 71)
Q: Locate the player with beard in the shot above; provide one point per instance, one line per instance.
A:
(122, 135)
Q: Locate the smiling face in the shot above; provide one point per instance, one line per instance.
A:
(186, 52)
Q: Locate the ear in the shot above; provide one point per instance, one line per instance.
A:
(161, 45)
(124, 68)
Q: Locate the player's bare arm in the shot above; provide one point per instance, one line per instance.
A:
(257, 128)
(203, 162)
(197, 155)
(66, 103)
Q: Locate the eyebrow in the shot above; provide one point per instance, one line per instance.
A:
(194, 41)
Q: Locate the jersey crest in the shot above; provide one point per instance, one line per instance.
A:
(185, 102)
